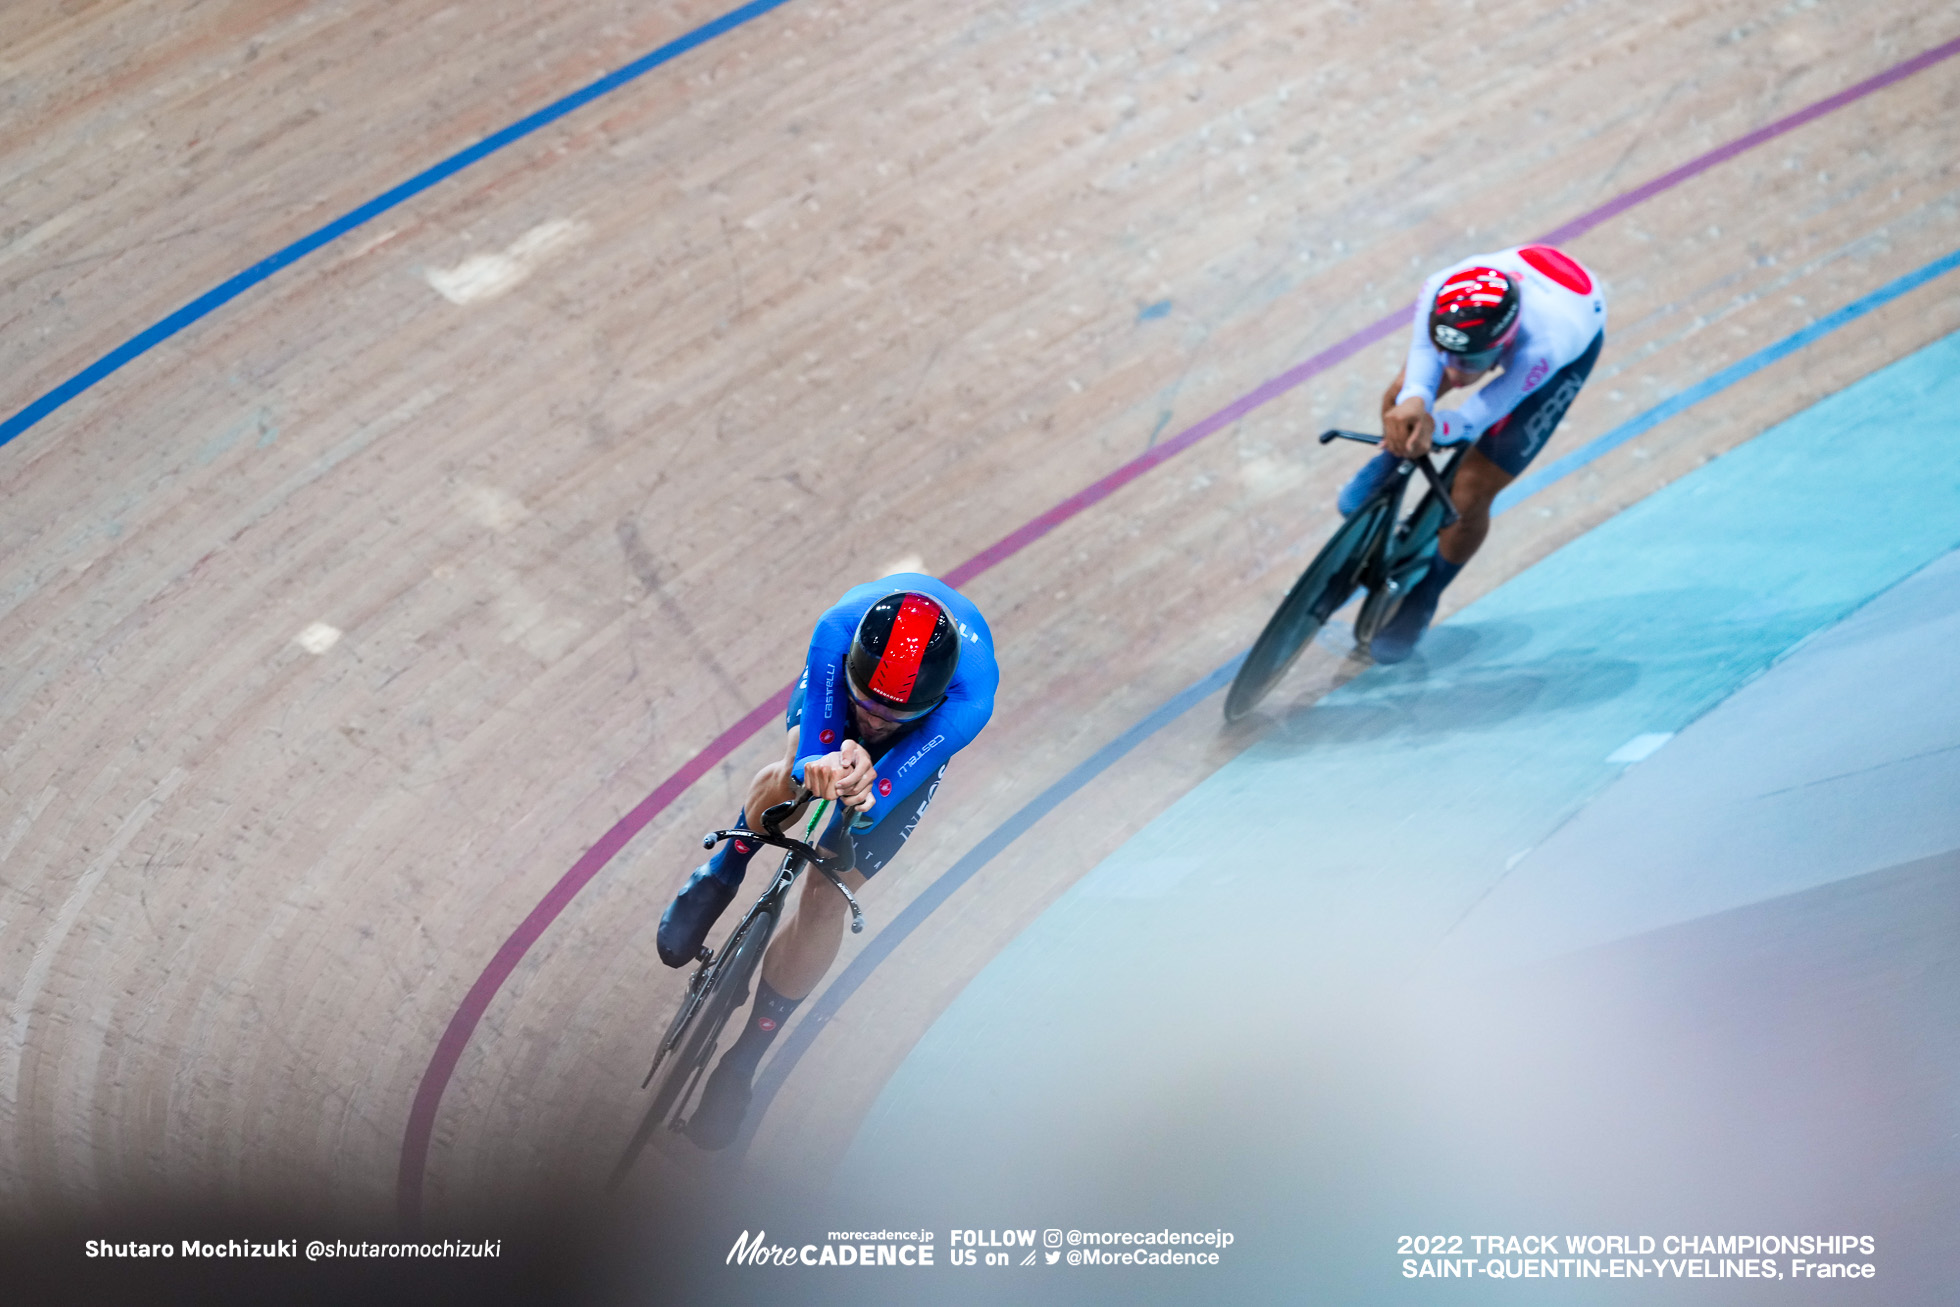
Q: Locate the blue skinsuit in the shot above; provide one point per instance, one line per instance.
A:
(921, 748)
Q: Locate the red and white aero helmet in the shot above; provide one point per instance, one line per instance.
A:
(1475, 316)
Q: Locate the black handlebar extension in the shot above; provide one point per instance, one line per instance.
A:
(832, 866)
(790, 810)
(1422, 465)
(773, 821)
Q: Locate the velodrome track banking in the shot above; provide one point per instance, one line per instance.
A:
(442, 1065)
(420, 1127)
(1665, 821)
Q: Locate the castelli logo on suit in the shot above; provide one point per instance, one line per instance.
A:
(918, 753)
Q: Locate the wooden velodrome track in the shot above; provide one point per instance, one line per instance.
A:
(572, 447)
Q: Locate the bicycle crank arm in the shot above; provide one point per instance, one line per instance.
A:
(857, 914)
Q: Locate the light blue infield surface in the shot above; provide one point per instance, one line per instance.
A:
(1228, 1017)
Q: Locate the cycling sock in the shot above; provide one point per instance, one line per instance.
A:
(765, 1019)
(731, 860)
(1441, 572)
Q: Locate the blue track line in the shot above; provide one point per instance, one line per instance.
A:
(915, 912)
(887, 941)
(215, 298)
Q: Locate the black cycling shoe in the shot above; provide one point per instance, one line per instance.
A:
(684, 925)
(1397, 638)
(724, 1103)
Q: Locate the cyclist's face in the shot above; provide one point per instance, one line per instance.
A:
(868, 727)
(1458, 375)
(872, 719)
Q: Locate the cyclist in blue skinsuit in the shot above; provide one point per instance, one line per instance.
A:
(900, 677)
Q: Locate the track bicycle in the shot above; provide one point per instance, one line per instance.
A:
(1375, 550)
(721, 982)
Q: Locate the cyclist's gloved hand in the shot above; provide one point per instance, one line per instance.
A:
(1407, 428)
(846, 776)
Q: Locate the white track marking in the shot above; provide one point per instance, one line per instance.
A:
(529, 621)
(318, 638)
(21, 823)
(909, 563)
(51, 228)
(486, 276)
(493, 507)
(370, 245)
(64, 922)
(1639, 747)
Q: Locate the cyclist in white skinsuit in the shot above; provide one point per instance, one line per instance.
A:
(1537, 313)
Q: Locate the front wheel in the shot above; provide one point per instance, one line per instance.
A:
(1326, 584)
(694, 1043)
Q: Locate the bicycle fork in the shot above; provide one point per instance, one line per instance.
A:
(857, 913)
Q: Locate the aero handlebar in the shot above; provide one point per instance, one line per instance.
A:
(1422, 465)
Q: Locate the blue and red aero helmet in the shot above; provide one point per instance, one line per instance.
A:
(904, 654)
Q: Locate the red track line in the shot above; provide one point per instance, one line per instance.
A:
(449, 1050)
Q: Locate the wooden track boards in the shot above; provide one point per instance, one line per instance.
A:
(848, 286)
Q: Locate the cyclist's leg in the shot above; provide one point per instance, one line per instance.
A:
(1476, 484)
(1503, 453)
(708, 892)
(1499, 456)
(1478, 479)
(808, 942)
(798, 957)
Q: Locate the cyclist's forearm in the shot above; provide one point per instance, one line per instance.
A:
(1422, 370)
(1393, 395)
